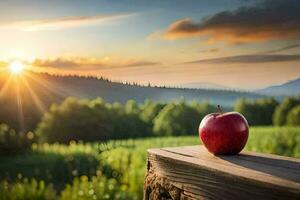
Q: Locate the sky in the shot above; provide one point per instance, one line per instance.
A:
(245, 44)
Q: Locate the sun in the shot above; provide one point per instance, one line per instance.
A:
(16, 67)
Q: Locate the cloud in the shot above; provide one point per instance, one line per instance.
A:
(61, 23)
(140, 63)
(267, 20)
(60, 63)
(213, 50)
(79, 63)
(294, 46)
(252, 58)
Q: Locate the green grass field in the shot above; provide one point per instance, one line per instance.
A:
(113, 170)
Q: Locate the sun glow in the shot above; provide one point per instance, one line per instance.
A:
(16, 67)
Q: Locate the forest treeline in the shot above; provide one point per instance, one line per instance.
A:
(97, 120)
(91, 120)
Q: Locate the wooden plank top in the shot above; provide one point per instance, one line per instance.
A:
(267, 170)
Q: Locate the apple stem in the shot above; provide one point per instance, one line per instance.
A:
(219, 108)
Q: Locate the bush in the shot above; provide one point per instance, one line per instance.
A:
(281, 112)
(176, 119)
(126, 122)
(283, 141)
(149, 110)
(91, 120)
(203, 109)
(12, 142)
(99, 187)
(26, 190)
(76, 120)
(293, 117)
(257, 112)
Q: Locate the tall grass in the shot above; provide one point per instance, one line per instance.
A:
(121, 164)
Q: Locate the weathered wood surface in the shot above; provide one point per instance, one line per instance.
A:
(193, 173)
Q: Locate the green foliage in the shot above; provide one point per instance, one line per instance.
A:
(26, 190)
(203, 108)
(275, 140)
(180, 118)
(257, 112)
(91, 120)
(126, 160)
(98, 188)
(126, 122)
(55, 164)
(281, 112)
(149, 110)
(293, 117)
(12, 142)
(96, 120)
(76, 120)
(176, 119)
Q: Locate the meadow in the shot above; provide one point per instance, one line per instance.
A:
(110, 170)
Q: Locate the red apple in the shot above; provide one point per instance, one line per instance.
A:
(224, 133)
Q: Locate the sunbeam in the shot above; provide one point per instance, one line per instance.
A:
(5, 86)
(34, 96)
(47, 86)
(20, 105)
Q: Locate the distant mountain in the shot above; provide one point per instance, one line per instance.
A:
(204, 85)
(54, 88)
(290, 88)
(82, 87)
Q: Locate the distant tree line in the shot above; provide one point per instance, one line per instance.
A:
(270, 112)
(92, 120)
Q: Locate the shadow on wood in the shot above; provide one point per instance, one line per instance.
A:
(286, 169)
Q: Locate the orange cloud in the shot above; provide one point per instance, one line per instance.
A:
(80, 63)
(61, 23)
(250, 58)
(268, 20)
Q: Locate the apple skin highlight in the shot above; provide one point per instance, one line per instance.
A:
(224, 133)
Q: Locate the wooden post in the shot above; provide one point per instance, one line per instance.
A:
(193, 173)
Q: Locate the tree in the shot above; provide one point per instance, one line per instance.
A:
(281, 112)
(176, 119)
(149, 110)
(203, 108)
(132, 107)
(76, 120)
(126, 121)
(257, 112)
(293, 117)
(91, 120)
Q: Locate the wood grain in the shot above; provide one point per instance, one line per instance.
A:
(193, 173)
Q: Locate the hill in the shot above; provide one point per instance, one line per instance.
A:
(25, 98)
(91, 87)
(290, 88)
(205, 85)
